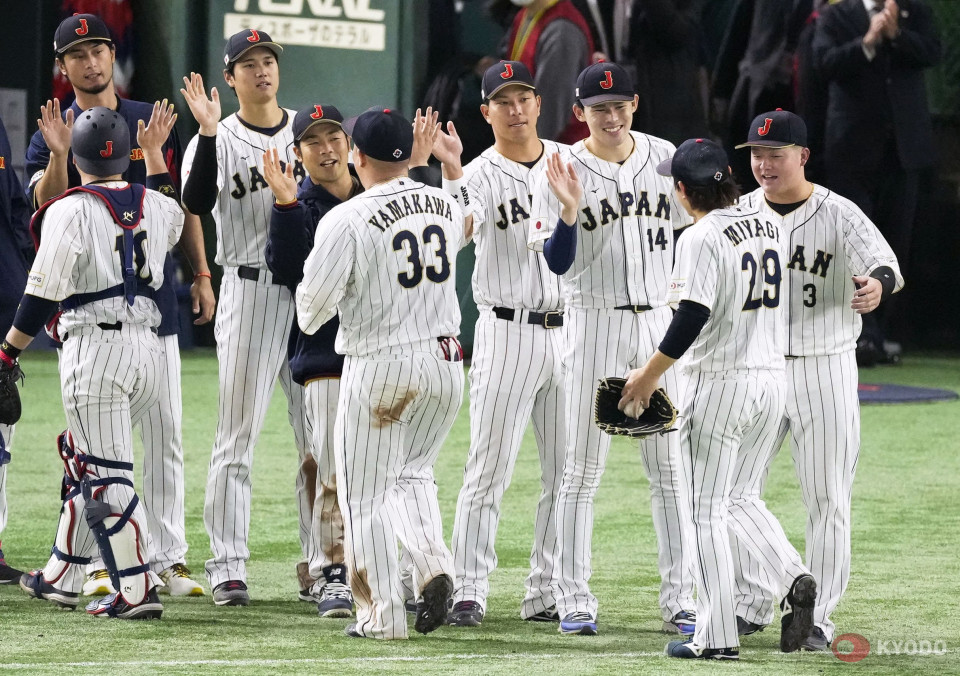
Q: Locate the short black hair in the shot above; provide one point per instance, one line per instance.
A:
(722, 194)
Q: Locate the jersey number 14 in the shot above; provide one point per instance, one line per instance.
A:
(764, 280)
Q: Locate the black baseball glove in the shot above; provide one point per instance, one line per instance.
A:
(9, 393)
(660, 416)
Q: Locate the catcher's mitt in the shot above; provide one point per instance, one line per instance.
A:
(9, 394)
(660, 416)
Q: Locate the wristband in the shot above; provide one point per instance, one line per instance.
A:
(458, 190)
(9, 353)
(202, 274)
(285, 204)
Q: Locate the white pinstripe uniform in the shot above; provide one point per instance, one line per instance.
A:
(515, 376)
(110, 377)
(624, 251)
(386, 259)
(253, 321)
(731, 261)
(6, 438)
(828, 240)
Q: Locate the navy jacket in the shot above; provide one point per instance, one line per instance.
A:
(38, 157)
(289, 242)
(16, 248)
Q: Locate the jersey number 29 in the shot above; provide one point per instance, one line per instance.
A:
(766, 274)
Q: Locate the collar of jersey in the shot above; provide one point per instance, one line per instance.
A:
(266, 131)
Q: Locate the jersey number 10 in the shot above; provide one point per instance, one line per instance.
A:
(766, 274)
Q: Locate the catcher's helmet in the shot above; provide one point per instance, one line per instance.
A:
(101, 142)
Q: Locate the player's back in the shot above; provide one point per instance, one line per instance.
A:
(402, 289)
(80, 234)
(507, 272)
(737, 262)
(828, 240)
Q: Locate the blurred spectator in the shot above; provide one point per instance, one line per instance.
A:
(665, 48)
(811, 96)
(554, 41)
(754, 70)
(878, 128)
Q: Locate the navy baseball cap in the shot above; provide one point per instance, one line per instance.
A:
(240, 43)
(381, 133)
(777, 129)
(604, 81)
(315, 114)
(79, 28)
(503, 74)
(697, 162)
(100, 142)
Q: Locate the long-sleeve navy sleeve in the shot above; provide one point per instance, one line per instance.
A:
(289, 241)
(561, 248)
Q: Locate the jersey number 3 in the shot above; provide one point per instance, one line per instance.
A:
(433, 236)
(766, 274)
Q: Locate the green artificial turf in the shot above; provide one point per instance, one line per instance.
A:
(903, 592)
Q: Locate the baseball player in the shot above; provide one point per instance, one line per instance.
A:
(839, 267)
(728, 328)
(386, 260)
(613, 244)
(16, 254)
(100, 255)
(224, 174)
(515, 371)
(85, 55)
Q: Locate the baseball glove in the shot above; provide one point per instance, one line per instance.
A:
(9, 394)
(660, 416)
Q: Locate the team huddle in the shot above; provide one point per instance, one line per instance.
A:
(620, 255)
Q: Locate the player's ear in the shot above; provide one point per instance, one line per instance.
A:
(296, 151)
(578, 112)
(485, 111)
(804, 156)
(636, 103)
(60, 66)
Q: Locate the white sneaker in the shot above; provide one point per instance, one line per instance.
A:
(98, 583)
(177, 582)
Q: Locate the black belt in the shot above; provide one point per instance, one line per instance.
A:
(548, 320)
(253, 274)
(634, 308)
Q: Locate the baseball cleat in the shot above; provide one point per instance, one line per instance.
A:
(231, 593)
(8, 575)
(177, 582)
(36, 587)
(745, 627)
(816, 641)
(410, 606)
(98, 583)
(336, 600)
(309, 592)
(432, 609)
(796, 613)
(683, 623)
(579, 623)
(547, 615)
(465, 614)
(114, 605)
(687, 650)
(351, 631)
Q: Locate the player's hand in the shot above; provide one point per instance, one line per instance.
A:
(867, 296)
(892, 25)
(280, 180)
(425, 130)
(204, 302)
(875, 32)
(154, 134)
(565, 184)
(205, 110)
(636, 393)
(448, 147)
(54, 128)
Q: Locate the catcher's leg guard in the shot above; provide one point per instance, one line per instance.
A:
(123, 545)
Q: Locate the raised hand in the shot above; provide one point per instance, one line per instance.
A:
(281, 181)
(447, 147)
(425, 130)
(152, 135)
(565, 184)
(205, 110)
(55, 129)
